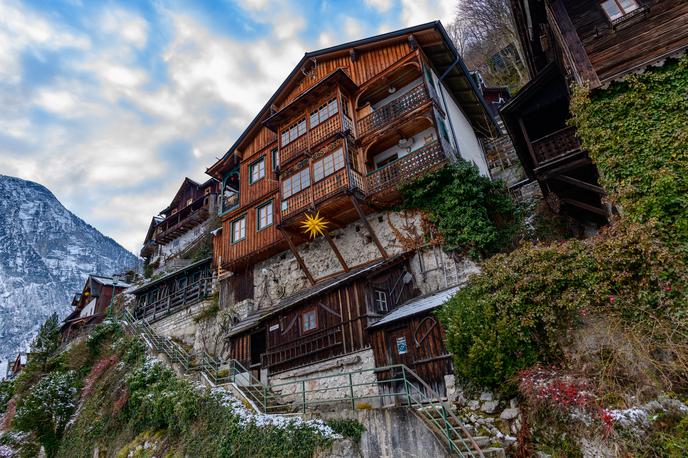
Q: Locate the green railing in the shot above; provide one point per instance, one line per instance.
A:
(400, 385)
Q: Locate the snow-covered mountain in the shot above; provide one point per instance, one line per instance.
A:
(46, 253)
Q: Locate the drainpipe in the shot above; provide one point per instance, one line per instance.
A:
(444, 103)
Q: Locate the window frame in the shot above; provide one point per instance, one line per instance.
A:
(272, 215)
(250, 170)
(328, 112)
(334, 169)
(300, 173)
(231, 229)
(622, 10)
(288, 132)
(377, 292)
(274, 153)
(314, 311)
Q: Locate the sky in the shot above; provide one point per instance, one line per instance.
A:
(111, 104)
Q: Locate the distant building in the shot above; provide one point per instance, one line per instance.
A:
(91, 305)
(18, 364)
(4, 368)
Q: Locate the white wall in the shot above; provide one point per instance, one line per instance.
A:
(467, 144)
(418, 142)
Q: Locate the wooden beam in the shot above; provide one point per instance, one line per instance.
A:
(526, 137)
(565, 168)
(581, 184)
(571, 43)
(298, 257)
(369, 228)
(584, 206)
(336, 251)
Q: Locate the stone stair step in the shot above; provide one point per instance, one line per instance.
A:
(494, 452)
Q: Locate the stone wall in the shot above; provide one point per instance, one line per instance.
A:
(392, 432)
(332, 376)
(182, 326)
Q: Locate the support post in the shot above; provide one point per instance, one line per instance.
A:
(369, 228)
(351, 391)
(303, 393)
(297, 256)
(336, 251)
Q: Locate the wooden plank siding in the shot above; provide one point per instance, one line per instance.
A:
(427, 354)
(661, 30)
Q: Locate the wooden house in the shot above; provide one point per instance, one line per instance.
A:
(174, 291)
(580, 42)
(178, 224)
(348, 125)
(91, 305)
(18, 364)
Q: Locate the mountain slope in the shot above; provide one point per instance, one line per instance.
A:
(46, 253)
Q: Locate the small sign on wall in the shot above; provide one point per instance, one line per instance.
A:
(274, 327)
(401, 345)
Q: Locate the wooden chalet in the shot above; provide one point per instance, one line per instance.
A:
(191, 206)
(91, 305)
(580, 42)
(173, 292)
(348, 125)
(18, 364)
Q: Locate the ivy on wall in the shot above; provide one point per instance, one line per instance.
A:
(637, 134)
(474, 215)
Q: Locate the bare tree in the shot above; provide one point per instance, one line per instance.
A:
(485, 34)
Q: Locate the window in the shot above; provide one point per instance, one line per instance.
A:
(230, 191)
(264, 215)
(309, 320)
(328, 165)
(257, 170)
(275, 158)
(616, 9)
(323, 112)
(296, 183)
(294, 131)
(380, 300)
(239, 229)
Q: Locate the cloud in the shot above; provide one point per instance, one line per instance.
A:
(128, 26)
(381, 6)
(414, 12)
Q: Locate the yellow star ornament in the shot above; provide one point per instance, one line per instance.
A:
(314, 225)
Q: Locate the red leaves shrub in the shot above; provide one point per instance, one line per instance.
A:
(565, 393)
(96, 371)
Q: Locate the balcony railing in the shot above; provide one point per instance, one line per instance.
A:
(556, 144)
(410, 166)
(173, 302)
(293, 149)
(188, 217)
(394, 110)
(321, 190)
(305, 346)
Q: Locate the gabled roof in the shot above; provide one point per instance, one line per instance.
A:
(417, 305)
(108, 281)
(439, 49)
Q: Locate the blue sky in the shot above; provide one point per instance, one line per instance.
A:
(111, 104)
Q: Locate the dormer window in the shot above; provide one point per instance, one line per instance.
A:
(617, 9)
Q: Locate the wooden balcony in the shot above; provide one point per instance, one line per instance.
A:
(387, 114)
(338, 182)
(416, 163)
(556, 145)
(304, 347)
(312, 139)
(190, 216)
(173, 302)
(293, 149)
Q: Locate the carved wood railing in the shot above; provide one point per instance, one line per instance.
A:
(186, 218)
(173, 302)
(410, 166)
(556, 144)
(325, 129)
(304, 346)
(393, 110)
(293, 149)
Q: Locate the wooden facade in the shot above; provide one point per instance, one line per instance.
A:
(318, 325)
(192, 205)
(91, 305)
(591, 42)
(174, 292)
(323, 134)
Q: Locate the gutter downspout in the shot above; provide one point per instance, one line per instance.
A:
(444, 103)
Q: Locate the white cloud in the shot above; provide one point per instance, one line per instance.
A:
(380, 5)
(57, 101)
(414, 12)
(126, 25)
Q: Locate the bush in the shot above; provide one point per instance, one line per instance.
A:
(475, 215)
(521, 308)
(636, 132)
(47, 408)
(352, 429)
(6, 393)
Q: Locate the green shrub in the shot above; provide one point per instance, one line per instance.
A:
(352, 429)
(101, 333)
(519, 310)
(6, 393)
(47, 408)
(474, 214)
(636, 132)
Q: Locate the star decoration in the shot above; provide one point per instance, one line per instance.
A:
(314, 225)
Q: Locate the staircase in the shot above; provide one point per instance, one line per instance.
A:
(404, 388)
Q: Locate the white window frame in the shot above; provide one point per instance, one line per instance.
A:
(296, 183)
(328, 165)
(239, 223)
(293, 132)
(380, 300)
(259, 166)
(324, 112)
(264, 216)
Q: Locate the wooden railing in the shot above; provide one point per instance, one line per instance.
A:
(304, 346)
(293, 149)
(187, 217)
(323, 189)
(410, 166)
(325, 129)
(393, 110)
(556, 144)
(171, 303)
